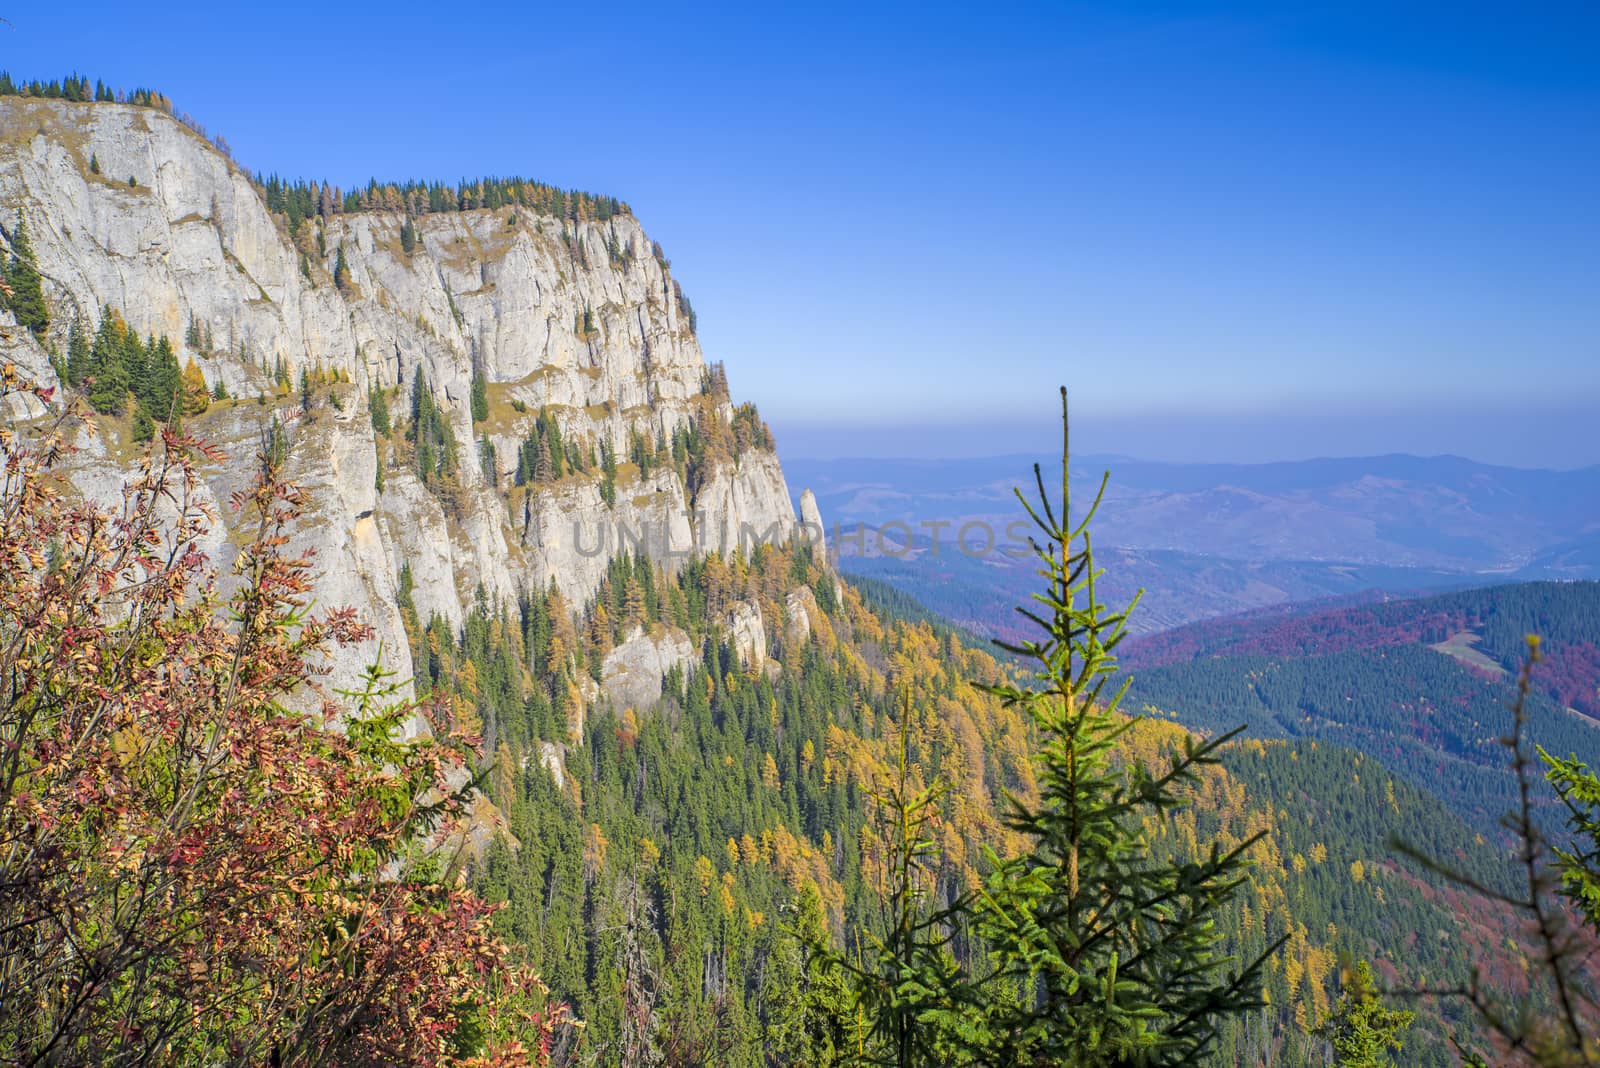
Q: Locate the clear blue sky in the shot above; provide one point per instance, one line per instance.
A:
(1237, 231)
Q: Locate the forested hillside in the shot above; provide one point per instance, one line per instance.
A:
(1419, 685)
(656, 874)
(1484, 628)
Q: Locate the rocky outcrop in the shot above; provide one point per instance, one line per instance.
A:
(747, 633)
(554, 760)
(744, 507)
(577, 318)
(811, 527)
(631, 674)
(799, 609)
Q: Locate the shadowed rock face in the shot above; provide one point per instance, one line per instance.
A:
(502, 294)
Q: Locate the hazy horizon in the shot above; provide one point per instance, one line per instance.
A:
(1534, 440)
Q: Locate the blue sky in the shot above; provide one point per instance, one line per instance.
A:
(1236, 231)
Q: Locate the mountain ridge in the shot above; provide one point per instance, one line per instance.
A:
(520, 326)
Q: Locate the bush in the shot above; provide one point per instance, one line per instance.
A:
(192, 870)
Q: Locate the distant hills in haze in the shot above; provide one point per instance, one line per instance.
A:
(1206, 540)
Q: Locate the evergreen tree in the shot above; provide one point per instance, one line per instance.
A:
(430, 433)
(144, 427)
(378, 405)
(341, 271)
(491, 467)
(1361, 1030)
(26, 301)
(77, 354)
(408, 236)
(608, 475)
(1115, 949)
(158, 381)
(107, 371)
(805, 1011)
(275, 443)
(480, 397)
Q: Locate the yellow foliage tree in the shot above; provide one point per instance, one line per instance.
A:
(196, 396)
(705, 873)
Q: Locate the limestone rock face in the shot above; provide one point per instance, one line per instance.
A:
(579, 319)
(748, 634)
(555, 762)
(631, 673)
(744, 507)
(800, 608)
(811, 527)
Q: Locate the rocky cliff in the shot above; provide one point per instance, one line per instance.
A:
(130, 212)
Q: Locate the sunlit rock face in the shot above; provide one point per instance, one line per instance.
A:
(131, 212)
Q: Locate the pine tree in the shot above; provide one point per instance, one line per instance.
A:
(1361, 1030)
(341, 271)
(162, 380)
(421, 402)
(135, 360)
(1118, 947)
(803, 1011)
(408, 236)
(558, 452)
(77, 354)
(608, 476)
(144, 427)
(488, 461)
(107, 376)
(378, 405)
(480, 397)
(26, 301)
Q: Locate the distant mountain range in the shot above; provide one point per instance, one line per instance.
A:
(1206, 540)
